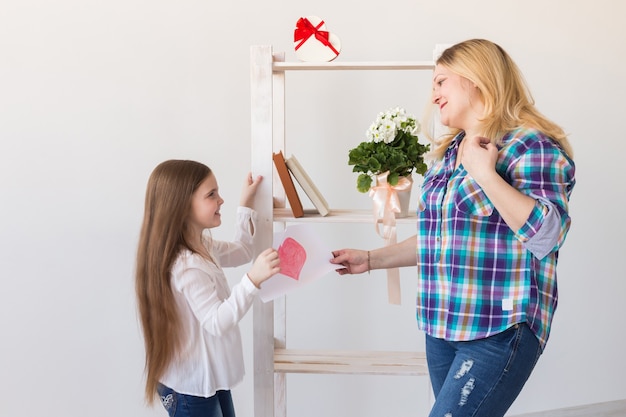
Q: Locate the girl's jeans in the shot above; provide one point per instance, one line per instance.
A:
(480, 378)
(182, 405)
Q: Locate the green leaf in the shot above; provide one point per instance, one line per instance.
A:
(393, 178)
(363, 183)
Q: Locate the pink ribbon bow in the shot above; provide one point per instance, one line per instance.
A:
(386, 200)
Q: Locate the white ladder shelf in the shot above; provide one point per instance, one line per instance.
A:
(272, 359)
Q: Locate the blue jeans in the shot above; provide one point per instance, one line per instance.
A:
(480, 378)
(182, 405)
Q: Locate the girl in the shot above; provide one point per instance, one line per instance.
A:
(491, 219)
(189, 315)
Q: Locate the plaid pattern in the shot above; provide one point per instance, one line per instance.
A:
(477, 277)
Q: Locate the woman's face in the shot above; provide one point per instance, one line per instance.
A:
(458, 99)
(205, 205)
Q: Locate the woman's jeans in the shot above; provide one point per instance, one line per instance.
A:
(480, 378)
(182, 405)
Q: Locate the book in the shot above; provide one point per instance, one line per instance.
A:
(288, 185)
(307, 185)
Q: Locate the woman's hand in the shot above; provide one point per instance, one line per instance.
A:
(479, 158)
(249, 190)
(353, 261)
(264, 267)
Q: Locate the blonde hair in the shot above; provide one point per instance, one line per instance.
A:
(167, 207)
(508, 102)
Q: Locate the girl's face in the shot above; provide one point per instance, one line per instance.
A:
(205, 205)
(458, 99)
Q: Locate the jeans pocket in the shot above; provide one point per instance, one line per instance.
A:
(168, 399)
(524, 345)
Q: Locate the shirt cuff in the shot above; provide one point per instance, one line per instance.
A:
(541, 231)
(249, 285)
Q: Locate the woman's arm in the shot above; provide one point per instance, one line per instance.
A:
(479, 159)
(535, 203)
(354, 261)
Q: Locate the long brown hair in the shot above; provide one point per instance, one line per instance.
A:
(167, 206)
(508, 102)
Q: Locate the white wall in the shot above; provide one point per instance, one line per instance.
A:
(94, 94)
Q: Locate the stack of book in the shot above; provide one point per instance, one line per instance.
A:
(288, 167)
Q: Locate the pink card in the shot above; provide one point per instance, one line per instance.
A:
(304, 258)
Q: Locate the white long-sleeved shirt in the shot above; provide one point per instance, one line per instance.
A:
(211, 355)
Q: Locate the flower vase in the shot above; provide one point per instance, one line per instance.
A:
(404, 197)
(392, 198)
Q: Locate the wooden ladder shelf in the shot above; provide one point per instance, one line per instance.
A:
(272, 359)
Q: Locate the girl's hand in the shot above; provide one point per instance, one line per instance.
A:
(249, 190)
(353, 261)
(265, 266)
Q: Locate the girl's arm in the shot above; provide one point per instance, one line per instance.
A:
(240, 250)
(202, 284)
(201, 291)
(248, 192)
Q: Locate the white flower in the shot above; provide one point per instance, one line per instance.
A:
(388, 123)
(416, 128)
(378, 155)
(387, 130)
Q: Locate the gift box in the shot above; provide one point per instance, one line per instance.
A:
(313, 43)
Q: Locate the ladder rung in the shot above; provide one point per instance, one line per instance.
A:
(349, 362)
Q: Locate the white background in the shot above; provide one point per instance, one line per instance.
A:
(94, 94)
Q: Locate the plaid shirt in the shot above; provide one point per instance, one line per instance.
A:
(476, 276)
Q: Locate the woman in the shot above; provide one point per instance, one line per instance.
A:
(491, 219)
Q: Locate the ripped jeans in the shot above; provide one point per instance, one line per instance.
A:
(182, 405)
(480, 378)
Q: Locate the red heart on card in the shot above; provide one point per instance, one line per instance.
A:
(292, 257)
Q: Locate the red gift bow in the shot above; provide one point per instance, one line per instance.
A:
(305, 29)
